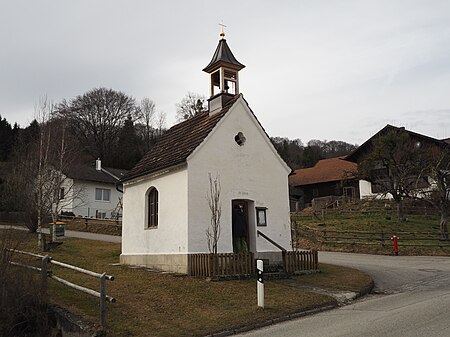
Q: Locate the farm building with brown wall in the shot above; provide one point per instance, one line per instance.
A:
(329, 177)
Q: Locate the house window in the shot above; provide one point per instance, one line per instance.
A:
(152, 200)
(261, 219)
(61, 193)
(102, 194)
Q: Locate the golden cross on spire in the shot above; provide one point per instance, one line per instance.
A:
(222, 33)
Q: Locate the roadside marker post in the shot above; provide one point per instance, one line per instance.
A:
(260, 283)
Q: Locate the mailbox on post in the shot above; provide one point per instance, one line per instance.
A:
(57, 229)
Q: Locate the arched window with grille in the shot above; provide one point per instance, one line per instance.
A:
(152, 207)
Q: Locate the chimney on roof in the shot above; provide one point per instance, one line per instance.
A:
(98, 164)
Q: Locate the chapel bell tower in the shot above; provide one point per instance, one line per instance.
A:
(224, 75)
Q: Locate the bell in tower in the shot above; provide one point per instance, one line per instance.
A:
(224, 75)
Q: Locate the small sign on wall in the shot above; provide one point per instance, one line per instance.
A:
(261, 219)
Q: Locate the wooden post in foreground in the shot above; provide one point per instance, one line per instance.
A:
(103, 299)
(44, 273)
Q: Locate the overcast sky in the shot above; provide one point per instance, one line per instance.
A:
(314, 69)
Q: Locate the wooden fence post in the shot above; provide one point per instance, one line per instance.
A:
(103, 299)
(316, 259)
(44, 274)
(285, 266)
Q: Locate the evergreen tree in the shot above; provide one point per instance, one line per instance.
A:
(127, 153)
(6, 139)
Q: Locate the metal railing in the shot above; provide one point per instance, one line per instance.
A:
(45, 274)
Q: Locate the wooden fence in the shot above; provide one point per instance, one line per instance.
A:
(45, 273)
(208, 265)
(383, 238)
(300, 261)
(86, 220)
(339, 207)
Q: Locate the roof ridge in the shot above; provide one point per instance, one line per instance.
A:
(177, 143)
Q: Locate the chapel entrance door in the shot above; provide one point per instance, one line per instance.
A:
(240, 226)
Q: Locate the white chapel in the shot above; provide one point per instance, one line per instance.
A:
(165, 204)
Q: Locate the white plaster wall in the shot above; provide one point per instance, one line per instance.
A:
(170, 237)
(66, 204)
(253, 172)
(84, 202)
(365, 191)
(76, 197)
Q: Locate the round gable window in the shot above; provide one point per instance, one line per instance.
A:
(240, 139)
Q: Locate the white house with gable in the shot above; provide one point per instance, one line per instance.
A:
(90, 191)
(166, 213)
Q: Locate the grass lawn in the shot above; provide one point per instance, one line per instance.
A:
(371, 221)
(335, 278)
(385, 221)
(151, 303)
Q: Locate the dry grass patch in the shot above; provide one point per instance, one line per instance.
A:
(151, 303)
(336, 277)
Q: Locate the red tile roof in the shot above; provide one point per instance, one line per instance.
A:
(178, 143)
(325, 170)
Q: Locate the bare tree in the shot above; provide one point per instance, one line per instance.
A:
(215, 206)
(96, 117)
(436, 170)
(150, 124)
(59, 190)
(161, 122)
(440, 173)
(37, 184)
(56, 155)
(392, 166)
(191, 105)
(145, 123)
(43, 112)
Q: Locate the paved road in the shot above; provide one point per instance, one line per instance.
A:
(394, 274)
(412, 298)
(75, 234)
